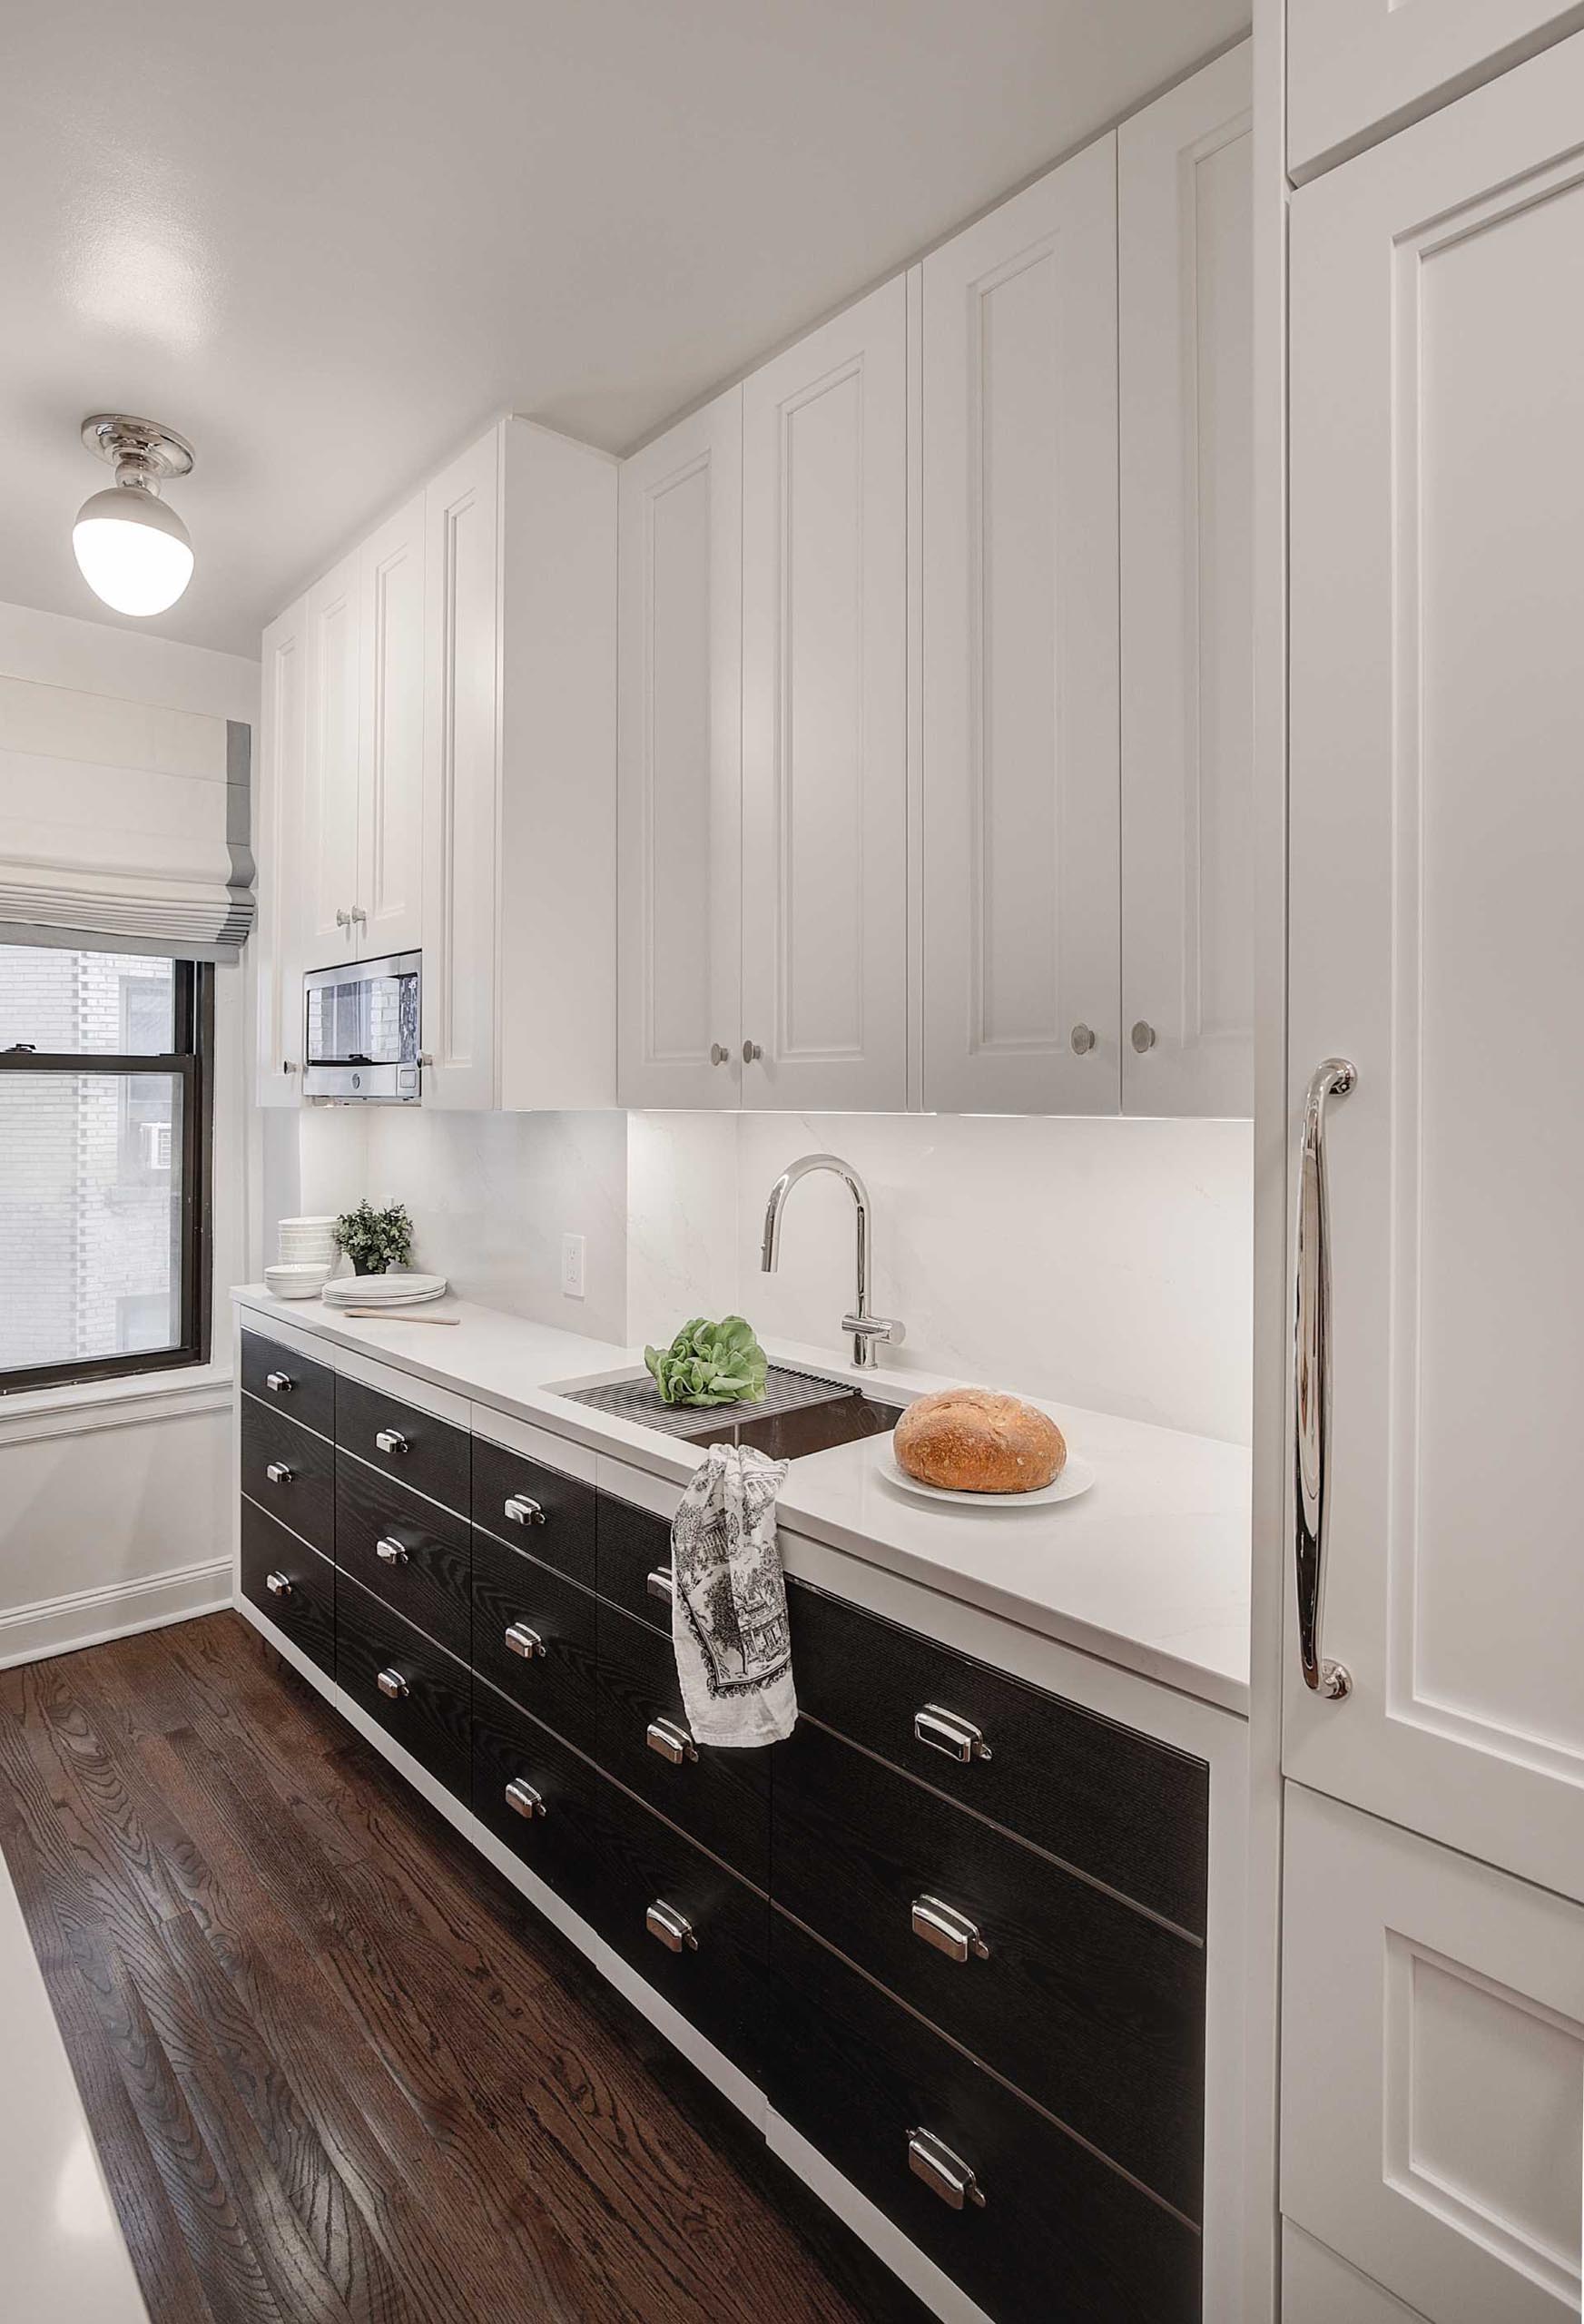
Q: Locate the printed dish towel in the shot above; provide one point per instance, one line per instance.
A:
(728, 1607)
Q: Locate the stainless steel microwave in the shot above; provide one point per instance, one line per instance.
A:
(361, 1029)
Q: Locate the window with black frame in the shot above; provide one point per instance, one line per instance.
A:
(104, 1139)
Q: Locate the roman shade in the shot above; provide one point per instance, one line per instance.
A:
(123, 822)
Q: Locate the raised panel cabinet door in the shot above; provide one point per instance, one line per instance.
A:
(390, 768)
(1185, 315)
(1359, 68)
(1432, 2070)
(1437, 945)
(461, 776)
(329, 806)
(679, 763)
(1022, 935)
(277, 945)
(825, 716)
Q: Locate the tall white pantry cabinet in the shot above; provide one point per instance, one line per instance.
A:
(914, 809)
(1433, 1917)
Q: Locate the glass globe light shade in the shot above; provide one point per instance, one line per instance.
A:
(131, 550)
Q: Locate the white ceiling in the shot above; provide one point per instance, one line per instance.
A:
(329, 239)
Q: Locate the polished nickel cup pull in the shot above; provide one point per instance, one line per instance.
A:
(392, 1684)
(523, 1799)
(278, 1585)
(944, 1730)
(521, 1639)
(522, 1510)
(279, 1384)
(945, 2175)
(390, 1552)
(673, 1742)
(279, 1474)
(947, 1930)
(391, 1439)
(674, 1929)
(661, 1584)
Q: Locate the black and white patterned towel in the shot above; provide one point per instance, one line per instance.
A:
(728, 1608)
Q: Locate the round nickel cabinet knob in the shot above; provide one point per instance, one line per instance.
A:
(1083, 1038)
(1143, 1037)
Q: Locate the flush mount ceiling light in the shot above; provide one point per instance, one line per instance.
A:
(132, 551)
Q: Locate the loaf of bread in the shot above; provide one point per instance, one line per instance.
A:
(975, 1440)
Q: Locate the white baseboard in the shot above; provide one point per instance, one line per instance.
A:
(115, 1609)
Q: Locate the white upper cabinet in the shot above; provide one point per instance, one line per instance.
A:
(275, 943)
(519, 775)
(461, 731)
(824, 716)
(1021, 933)
(1186, 283)
(1436, 941)
(330, 902)
(391, 735)
(679, 759)
(1357, 68)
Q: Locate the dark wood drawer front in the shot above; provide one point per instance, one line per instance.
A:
(1130, 1812)
(430, 1714)
(634, 1543)
(289, 1472)
(304, 1389)
(539, 1797)
(1060, 2233)
(419, 1451)
(1089, 2006)
(722, 1797)
(551, 1620)
(411, 1553)
(717, 1982)
(302, 1602)
(555, 1518)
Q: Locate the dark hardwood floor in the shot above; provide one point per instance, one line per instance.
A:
(336, 2067)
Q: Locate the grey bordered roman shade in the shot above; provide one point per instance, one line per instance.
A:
(123, 822)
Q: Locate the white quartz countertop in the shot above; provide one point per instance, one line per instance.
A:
(1148, 1570)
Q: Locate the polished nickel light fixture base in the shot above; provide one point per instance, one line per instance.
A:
(140, 451)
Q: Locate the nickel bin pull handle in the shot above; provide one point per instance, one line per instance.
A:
(947, 1930)
(1311, 1380)
(523, 1799)
(391, 1684)
(279, 1474)
(674, 1929)
(662, 1585)
(521, 1639)
(673, 1742)
(523, 1510)
(279, 1382)
(391, 1439)
(390, 1552)
(945, 1731)
(945, 2175)
(278, 1585)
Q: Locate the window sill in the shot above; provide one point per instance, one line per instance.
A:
(134, 1399)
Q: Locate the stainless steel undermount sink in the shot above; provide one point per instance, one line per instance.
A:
(801, 1413)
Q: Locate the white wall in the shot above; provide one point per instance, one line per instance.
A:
(1099, 1263)
(114, 1502)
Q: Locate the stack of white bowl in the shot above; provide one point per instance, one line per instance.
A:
(308, 1258)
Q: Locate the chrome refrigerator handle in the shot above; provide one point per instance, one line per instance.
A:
(1312, 1380)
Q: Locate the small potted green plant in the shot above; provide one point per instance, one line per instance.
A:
(374, 1239)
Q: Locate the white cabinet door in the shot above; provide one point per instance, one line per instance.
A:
(390, 761)
(1437, 942)
(1021, 946)
(825, 716)
(679, 760)
(1356, 67)
(276, 941)
(1185, 289)
(1432, 2070)
(1317, 2288)
(461, 777)
(330, 812)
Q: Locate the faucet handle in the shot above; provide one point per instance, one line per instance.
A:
(870, 1332)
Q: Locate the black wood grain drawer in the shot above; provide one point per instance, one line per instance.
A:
(539, 1797)
(526, 1503)
(722, 1797)
(427, 1707)
(289, 1472)
(534, 1636)
(427, 1453)
(280, 1375)
(1131, 1812)
(1084, 2002)
(650, 1877)
(1061, 2234)
(634, 1543)
(415, 1555)
(292, 1583)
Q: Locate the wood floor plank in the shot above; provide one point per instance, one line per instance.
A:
(340, 2070)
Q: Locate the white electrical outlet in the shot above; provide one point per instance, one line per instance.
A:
(571, 1266)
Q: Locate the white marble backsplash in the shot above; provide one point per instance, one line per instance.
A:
(1099, 1263)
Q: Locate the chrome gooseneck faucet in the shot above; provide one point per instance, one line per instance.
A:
(868, 1331)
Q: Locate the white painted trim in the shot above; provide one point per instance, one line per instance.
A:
(83, 1406)
(870, 2225)
(115, 1609)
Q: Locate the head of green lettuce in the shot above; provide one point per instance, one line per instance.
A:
(710, 1364)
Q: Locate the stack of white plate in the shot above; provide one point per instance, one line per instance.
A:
(384, 1290)
(303, 1240)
